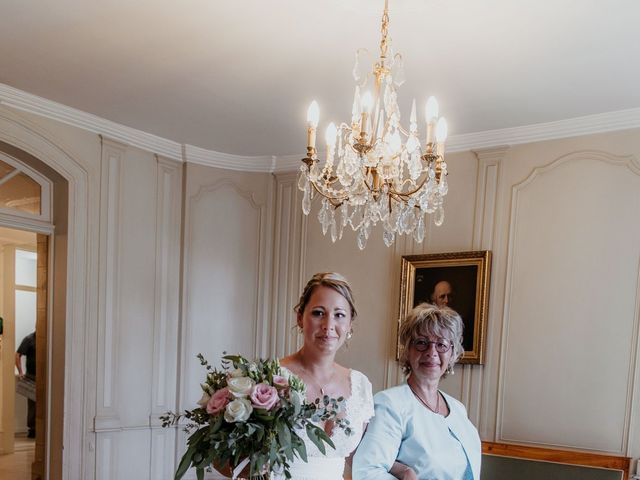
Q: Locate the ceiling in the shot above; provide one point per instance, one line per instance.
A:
(237, 76)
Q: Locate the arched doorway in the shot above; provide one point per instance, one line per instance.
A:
(35, 199)
(26, 201)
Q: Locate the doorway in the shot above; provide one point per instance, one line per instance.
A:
(23, 301)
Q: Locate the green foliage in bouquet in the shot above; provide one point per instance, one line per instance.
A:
(250, 413)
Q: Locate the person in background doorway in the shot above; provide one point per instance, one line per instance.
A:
(27, 349)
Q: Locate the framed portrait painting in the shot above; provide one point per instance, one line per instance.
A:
(459, 280)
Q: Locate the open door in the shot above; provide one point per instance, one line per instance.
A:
(24, 302)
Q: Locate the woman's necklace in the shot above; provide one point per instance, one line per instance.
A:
(424, 401)
(317, 384)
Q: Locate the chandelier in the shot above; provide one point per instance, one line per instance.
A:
(375, 170)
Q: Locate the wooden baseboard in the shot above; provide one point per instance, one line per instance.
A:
(567, 457)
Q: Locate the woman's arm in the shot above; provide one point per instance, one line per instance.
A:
(378, 450)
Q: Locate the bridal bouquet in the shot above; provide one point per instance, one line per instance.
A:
(248, 416)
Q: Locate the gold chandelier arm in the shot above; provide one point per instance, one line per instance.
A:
(401, 195)
(336, 202)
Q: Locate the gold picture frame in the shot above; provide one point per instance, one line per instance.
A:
(463, 278)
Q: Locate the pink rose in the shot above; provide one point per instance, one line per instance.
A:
(218, 401)
(264, 396)
(280, 382)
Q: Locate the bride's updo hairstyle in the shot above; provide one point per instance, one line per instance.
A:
(332, 280)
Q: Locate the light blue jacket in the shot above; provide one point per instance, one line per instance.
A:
(404, 429)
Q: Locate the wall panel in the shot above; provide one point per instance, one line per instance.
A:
(570, 304)
(226, 278)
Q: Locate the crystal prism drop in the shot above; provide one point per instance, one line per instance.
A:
(302, 181)
(388, 237)
(418, 233)
(397, 71)
(439, 217)
(334, 230)
(361, 239)
(306, 200)
(344, 213)
(360, 68)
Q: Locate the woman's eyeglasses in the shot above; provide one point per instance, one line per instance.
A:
(421, 345)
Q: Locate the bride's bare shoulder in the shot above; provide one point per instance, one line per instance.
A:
(291, 363)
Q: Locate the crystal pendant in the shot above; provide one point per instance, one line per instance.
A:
(361, 68)
(439, 217)
(397, 71)
(333, 226)
(306, 200)
(303, 180)
(334, 229)
(418, 233)
(324, 217)
(361, 239)
(388, 237)
(344, 212)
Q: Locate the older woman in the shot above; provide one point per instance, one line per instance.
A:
(325, 314)
(419, 432)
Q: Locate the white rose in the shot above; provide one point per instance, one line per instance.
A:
(238, 410)
(204, 400)
(285, 373)
(236, 372)
(240, 387)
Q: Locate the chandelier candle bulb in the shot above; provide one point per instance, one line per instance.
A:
(413, 119)
(441, 135)
(355, 110)
(431, 115)
(366, 104)
(331, 134)
(313, 115)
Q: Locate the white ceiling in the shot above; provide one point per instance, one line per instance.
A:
(237, 76)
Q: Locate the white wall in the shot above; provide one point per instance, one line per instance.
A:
(208, 260)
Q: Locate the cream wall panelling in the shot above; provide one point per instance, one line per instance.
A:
(107, 415)
(288, 258)
(166, 314)
(81, 298)
(226, 241)
(565, 223)
(478, 378)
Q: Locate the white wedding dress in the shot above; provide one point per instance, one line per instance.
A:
(358, 410)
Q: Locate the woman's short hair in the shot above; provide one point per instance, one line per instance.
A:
(428, 319)
(331, 280)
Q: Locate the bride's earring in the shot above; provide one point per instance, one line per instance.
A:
(350, 334)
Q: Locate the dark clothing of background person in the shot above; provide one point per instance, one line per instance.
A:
(28, 349)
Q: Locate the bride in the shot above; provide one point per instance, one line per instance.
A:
(325, 314)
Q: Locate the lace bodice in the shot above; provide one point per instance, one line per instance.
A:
(358, 410)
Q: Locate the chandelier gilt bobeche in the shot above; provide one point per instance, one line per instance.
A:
(376, 170)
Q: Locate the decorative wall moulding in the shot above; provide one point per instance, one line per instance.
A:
(572, 127)
(211, 158)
